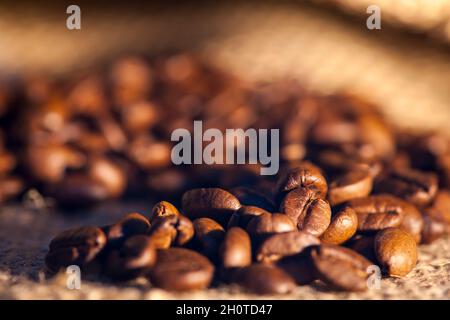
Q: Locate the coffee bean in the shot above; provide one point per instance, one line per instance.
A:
(208, 235)
(171, 230)
(379, 212)
(264, 279)
(436, 218)
(267, 224)
(340, 267)
(135, 258)
(242, 217)
(342, 227)
(284, 244)
(236, 249)
(396, 251)
(130, 225)
(433, 229)
(353, 184)
(412, 185)
(310, 213)
(77, 246)
(412, 221)
(440, 208)
(306, 175)
(210, 202)
(163, 209)
(108, 173)
(179, 269)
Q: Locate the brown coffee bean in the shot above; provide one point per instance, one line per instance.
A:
(264, 279)
(210, 202)
(179, 269)
(436, 218)
(340, 267)
(108, 173)
(342, 227)
(251, 197)
(379, 212)
(412, 185)
(163, 209)
(440, 208)
(306, 175)
(171, 230)
(310, 213)
(242, 217)
(396, 251)
(284, 244)
(208, 235)
(135, 258)
(412, 221)
(267, 224)
(148, 153)
(77, 246)
(353, 184)
(131, 224)
(236, 249)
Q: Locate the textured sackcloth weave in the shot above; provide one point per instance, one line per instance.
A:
(406, 75)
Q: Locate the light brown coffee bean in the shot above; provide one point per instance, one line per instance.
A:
(215, 203)
(179, 269)
(342, 227)
(310, 213)
(284, 244)
(208, 236)
(236, 249)
(351, 185)
(242, 217)
(163, 209)
(268, 223)
(131, 224)
(396, 251)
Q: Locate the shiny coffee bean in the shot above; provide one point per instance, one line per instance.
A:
(267, 224)
(209, 236)
(135, 258)
(412, 221)
(340, 267)
(284, 244)
(242, 217)
(210, 202)
(131, 224)
(236, 249)
(310, 213)
(264, 279)
(353, 184)
(171, 230)
(251, 197)
(163, 209)
(78, 246)
(379, 212)
(414, 186)
(179, 269)
(342, 227)
(396, 251)
(306, 175)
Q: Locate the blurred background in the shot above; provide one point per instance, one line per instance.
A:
(404, 67)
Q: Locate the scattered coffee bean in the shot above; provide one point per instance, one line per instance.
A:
(163, 209)
(209, 236)
(242, 217)
(342, 227)
(179, 269)
(267, 224)
(130, 225)
(236, 249)
(396, 251)
(354, 184)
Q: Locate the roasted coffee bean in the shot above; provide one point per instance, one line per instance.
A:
(208, 235)
(310, 213)
(163, 209)
(171, 230)
(353, 184)
(236, 249)
(342, 227)
(264, 279)
(412, 221)
(379, 212)
(135, 258)
(130, 225)
(440, 208)
(340, 267)
(267, 224)
(414, 186)
(306, 175)
(210, 202)
(242, 217)
(179, 269)
(111, 175)
(251, 197)
(396, 251)
(77, 246)
(284, 244)
(299, 267)
(433, 229)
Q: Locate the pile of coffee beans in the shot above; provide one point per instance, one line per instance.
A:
(353, 191)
